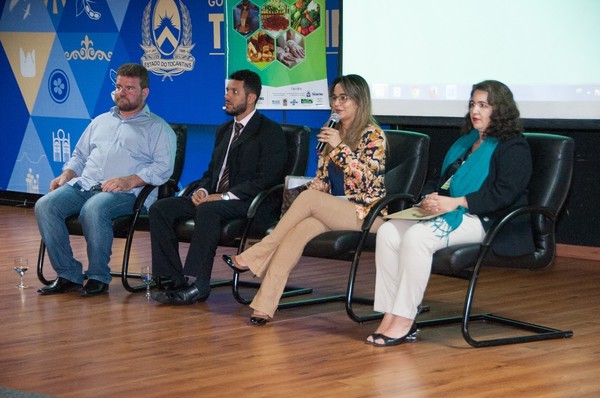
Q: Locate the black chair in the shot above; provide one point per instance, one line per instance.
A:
(236, 232)
(552, 169)
(406, 169)
(125, 226)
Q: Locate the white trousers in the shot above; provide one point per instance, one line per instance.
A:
(403, 259)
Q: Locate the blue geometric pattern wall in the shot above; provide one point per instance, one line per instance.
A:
(57, 69)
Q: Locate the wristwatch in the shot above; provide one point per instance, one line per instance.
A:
(225, 196)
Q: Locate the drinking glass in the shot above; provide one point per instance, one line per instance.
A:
(146, 275)
(21, 266)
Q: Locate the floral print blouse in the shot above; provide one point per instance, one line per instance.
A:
(364, 170)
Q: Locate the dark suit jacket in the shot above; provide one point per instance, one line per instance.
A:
(505, 188)
(257, 158)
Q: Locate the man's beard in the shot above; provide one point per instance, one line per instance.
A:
(238, 110)
(125, 105)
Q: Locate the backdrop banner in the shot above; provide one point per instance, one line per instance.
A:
(58, 63)
(284, 42)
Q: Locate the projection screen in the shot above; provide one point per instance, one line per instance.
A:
(421, 57)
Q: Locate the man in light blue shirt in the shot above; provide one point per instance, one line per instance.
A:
(119, 152)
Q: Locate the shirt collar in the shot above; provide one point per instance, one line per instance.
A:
(245, 120)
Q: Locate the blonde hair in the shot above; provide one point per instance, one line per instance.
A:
(357, 89)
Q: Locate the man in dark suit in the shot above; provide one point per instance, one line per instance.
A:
(249, 156)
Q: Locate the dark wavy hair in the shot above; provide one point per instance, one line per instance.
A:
(135, 70)
(505, 121)
(252, 82)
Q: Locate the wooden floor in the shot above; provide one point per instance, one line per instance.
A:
(122, 345)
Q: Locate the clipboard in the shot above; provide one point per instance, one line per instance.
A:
(412, 213)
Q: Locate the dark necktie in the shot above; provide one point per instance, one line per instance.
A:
(224, 181)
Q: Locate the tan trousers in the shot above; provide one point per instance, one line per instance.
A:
(312, 213)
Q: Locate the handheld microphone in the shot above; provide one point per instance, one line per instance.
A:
(333, 120)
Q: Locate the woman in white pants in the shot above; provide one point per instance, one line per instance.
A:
(485, 172)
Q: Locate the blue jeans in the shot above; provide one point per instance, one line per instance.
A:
(96, 211)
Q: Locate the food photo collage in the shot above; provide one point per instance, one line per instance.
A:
(276, 31)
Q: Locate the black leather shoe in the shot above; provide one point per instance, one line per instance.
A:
(163, 297)
(185, 296)
(229, 261)
(169, 285)
(94, 288)
(58, 286)
(411, 336)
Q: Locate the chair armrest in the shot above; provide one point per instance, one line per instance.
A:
(139, 202)
(172, 186)
(381, 204)
(253, 209)
(189, 188)
(260, 199)
(509, 216)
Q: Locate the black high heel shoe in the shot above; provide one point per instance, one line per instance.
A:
(409, 337)
(259, 320)
(229, 261)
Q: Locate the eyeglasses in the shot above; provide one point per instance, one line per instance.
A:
(342, 98)
(480, 104)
